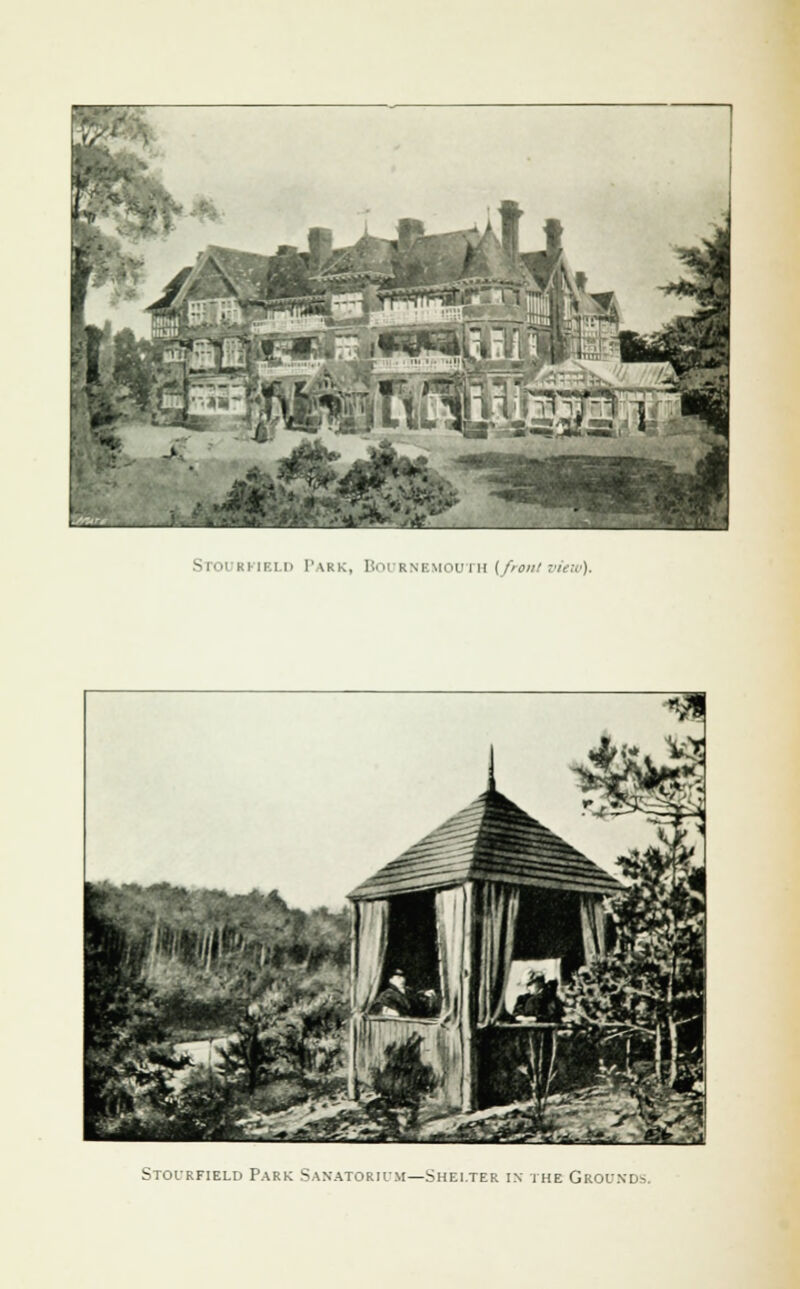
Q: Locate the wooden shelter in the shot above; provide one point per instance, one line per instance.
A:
(488, 889)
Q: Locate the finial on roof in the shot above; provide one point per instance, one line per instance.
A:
(490, 786)
(365, 212)
(488, 218)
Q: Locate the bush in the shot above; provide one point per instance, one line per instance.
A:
(404, 1079)
(386, 489)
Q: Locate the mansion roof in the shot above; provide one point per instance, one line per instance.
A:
(430, 260)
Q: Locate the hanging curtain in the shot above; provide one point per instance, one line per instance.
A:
(593, 928)
(498, 922)
(450, 906)
(373, 928)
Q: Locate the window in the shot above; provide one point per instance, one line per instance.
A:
(199, 311)
(498, 398)
(164, 324)
(496, 295)
(213, 311)
(203, 355)
(223, 397)
(538, 306)
(473, 297)
(345, 348)
(498, 348)
(516, 410)
(171, 399)
(475, 402)
(474, 342)
(540, 409)
(232, 352)
(229, 311)
(533, 343)
(173, 354)
(343, 305)
(515, 343)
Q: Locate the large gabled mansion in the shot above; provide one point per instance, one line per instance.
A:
(438, 332)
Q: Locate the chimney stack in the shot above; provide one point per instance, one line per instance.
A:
(408, 230)
(580, 278)
(320, 248)
(553, 231)
(510, 215)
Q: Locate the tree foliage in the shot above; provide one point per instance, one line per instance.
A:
(119, 200)
(128, 1059)
(310, 463)
(650, 986)
(385, 489)
(697, 343)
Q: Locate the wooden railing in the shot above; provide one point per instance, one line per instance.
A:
(426, 362)
(302, 367)
(416, 314)
(306, 322)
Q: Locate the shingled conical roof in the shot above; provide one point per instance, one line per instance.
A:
(489, 260)
(493, 840)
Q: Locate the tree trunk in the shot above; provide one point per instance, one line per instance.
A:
(657, 1052)
(83, 464)
(672, 1037)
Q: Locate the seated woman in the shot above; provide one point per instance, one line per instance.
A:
(398, 1000)
(530, 1004)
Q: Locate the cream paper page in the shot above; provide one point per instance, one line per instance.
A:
(666, 612)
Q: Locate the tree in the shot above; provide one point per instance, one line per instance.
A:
(392, 489)
(651, 984)
(132, 366)
(309, 463)
(698, 344)
(128, 1061)
(118, 201)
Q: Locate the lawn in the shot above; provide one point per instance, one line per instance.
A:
(530, 482)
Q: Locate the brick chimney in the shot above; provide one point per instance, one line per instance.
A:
(510, 215)
(284, 249)
(580, 278)
(553, 231)
(320, 248)
(408, 230)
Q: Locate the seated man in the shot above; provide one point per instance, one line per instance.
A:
(398, 1000)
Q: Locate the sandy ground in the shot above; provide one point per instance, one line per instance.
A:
(144, 442)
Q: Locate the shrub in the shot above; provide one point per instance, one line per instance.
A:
(404, 1079)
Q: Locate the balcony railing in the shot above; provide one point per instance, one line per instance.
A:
(302, 367)
(308, 322)
(425, 362)
(416, 314)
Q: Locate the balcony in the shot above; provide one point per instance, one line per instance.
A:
(435, 313)
(273, 326)
(270, 370)
(422, 362)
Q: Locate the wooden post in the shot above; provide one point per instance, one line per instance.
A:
(468, 1080)
(352, 1079)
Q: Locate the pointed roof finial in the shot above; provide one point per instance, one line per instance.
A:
(490, 786)
(365, 212)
